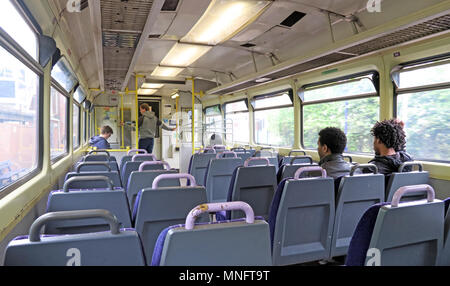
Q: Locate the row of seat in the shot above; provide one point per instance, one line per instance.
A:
(236, 243)
(378, 239)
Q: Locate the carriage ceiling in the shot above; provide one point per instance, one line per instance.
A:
(116, 39)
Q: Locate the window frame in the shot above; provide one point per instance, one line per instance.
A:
(224, 110)
(376, 83)
(424, 62)
(54, 84)
(15, 50)
(75, 104)
(290, 93)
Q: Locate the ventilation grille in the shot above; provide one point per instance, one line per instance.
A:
(415, 32)
(120, 40)
(122, 22)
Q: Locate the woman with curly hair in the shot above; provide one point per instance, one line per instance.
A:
(389, 145)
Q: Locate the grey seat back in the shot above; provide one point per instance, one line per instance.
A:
(94, 184)
(198, 165)
(140, 180)
(218, 178)
(409, 233)
(355, 195)
(255, 185)
(301, 218)
(245, 242)
(288, 170)
(287, 159)
(113, 248)
(114, 201)
(129, 156)
(160, 207)
(92, 166)
(94, 156)
(400, 179)
(444, 259)
(134, 164)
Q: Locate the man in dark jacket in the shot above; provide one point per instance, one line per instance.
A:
(330, 146)
(148, 127)
(101, 142)
(389, 146)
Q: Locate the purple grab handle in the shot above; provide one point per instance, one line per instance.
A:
(143, 155)
(218, 207)
(256, 159)
(137, 150)
(412, 189)
(226, 152)
(193, 183)
(310, 169)
(148, 163)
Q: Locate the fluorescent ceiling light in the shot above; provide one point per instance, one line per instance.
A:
(167, 71)
(142, 91)
(152, 85)
(223, 19)
(176, 95)
(183, 55)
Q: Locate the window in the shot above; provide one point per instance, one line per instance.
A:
(213, 119)
(58, 124)
(19, 121)
(12, 22)
(351, 104)
(76, 126)
(63, 74)
(237, 122)
(423, 103)
(274, 120)
(79, 95)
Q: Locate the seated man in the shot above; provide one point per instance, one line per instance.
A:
(330, 146)
(101, 141)
(389, 145)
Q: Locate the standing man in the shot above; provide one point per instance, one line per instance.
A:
(148, 125)
(389, 142)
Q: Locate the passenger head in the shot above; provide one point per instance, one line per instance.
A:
(388, 135)
(332, 140)
(106, 132)
(145, 107)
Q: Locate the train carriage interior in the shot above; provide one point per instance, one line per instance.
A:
(197, 133)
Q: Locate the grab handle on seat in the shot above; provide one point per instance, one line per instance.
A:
(137, 151)
(158, 179)
(225, 152)
(371, 167)
(296, 151)
(411, 163)
(412, 189)
(218, 207)
(310, 169)
(99, 151)
(149, 163)
(109, 184)
(107, 166)
(301, 157)
(246, 163)
(35, 228)
(142, 156)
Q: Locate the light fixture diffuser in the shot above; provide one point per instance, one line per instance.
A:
(183, 55)
(152, 85)
(143, 91)
(167, 71)
(223, 19)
